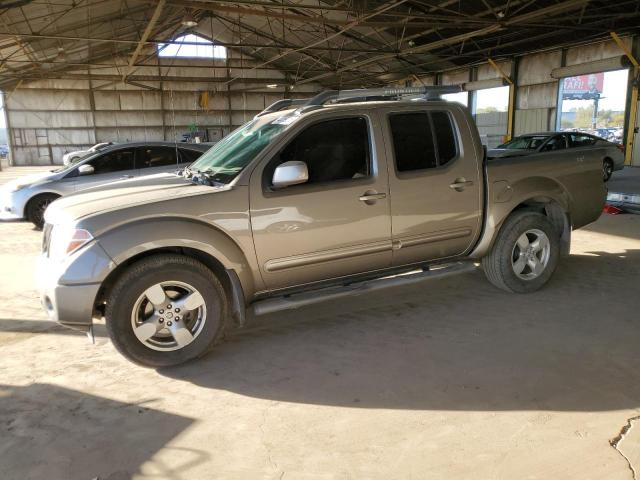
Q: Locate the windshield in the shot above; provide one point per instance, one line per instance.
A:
(527, 142)
(227, 158)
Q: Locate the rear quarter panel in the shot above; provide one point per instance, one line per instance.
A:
(572, 179)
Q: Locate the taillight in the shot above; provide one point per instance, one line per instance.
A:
(620, 147)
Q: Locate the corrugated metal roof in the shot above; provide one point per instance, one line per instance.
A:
(338, 44)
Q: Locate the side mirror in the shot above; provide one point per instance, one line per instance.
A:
(290, 173)
(85, 169)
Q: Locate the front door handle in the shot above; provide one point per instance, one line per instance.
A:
(124, 177)
(371, 196)
(460, 184)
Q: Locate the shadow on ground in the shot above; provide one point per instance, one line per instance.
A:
(48, 431)
(45, 326)
(454, 344)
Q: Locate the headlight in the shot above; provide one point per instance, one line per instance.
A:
(66, 240)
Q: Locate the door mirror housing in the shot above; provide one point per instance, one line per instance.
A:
(290, 173)
(85, 169)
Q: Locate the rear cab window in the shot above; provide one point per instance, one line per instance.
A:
(422, 140)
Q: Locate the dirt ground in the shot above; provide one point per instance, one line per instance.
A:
(449, 379)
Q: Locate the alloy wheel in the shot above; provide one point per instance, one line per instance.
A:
(530, 254)
(168, 316)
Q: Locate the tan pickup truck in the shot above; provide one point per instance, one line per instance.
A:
(342, 194)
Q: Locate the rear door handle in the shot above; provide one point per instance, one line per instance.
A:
(124, 177)
(460, 184)
(371, 196)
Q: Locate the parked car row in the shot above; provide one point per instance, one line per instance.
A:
(612, 154)
(29, 196)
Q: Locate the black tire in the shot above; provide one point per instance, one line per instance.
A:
(498, 266)
(37, 206)
(150, 271)
(607, 169)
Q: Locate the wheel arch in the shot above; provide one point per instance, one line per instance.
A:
(555, 209)
(131, 242)
(228, 278)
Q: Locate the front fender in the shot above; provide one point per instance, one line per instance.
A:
(131, 239)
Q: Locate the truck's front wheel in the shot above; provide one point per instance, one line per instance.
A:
(525, 253)
(165, 310)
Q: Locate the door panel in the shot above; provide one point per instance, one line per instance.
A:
(435, 183)
(322, 229)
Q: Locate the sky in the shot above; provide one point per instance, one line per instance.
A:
(205, 50)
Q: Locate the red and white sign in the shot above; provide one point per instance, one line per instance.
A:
(583, 84)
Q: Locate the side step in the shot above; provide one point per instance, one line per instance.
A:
(302, 299)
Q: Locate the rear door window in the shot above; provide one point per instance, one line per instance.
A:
(422, 140)
(581, 140)
(115, 161)
(149, 157)
(445, 137)
(557, 142)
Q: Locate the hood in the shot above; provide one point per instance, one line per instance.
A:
(28, 180)
(124, 194)
(505, 152)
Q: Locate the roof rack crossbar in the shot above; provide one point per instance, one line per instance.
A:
(362, 94)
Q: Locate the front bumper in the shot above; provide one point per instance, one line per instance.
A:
(68, 289)
(12, 205)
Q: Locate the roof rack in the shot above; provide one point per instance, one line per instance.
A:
(283, 105)
(362, 95)
(377, 94)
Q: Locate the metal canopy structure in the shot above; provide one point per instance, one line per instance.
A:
(344, 44)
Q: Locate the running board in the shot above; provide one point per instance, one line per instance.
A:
(302, 299)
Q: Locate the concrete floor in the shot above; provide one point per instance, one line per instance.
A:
(452, 379)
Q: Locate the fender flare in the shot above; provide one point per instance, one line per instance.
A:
(504, 198)
(128, 242)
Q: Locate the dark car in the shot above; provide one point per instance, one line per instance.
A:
(612, 153)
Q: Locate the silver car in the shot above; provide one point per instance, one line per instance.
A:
(28, 197)
(612, 159)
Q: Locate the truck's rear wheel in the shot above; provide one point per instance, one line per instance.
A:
(166, 310)
(525, 254)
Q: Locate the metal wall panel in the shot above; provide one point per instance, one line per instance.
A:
(533, 120)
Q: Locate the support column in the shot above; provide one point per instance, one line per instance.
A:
(631, 114)
(512, 96)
